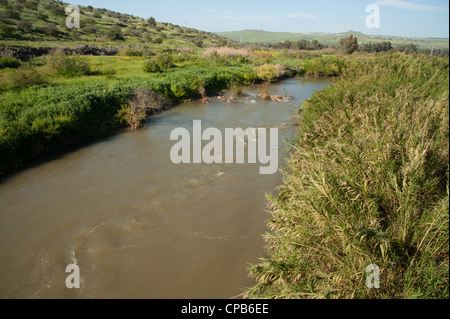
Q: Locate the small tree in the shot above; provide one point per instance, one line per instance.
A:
(11, 14)
(6, 31)
(51, 30)
(349, 44)
(151, 22)
(158, 63)
(57, 10)
(42, 16)
(96, 14)
(24, 25)
(148, 38)
(115, 33)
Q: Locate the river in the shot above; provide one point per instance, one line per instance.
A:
(137, 225)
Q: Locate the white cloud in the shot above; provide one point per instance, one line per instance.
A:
(409, 5)
(301, 15)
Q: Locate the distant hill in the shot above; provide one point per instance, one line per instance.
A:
(43, 22)
(259, 36)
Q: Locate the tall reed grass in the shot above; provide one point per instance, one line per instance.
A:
(367, 183)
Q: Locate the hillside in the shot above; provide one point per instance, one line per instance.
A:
(43, 23)
(260, 36)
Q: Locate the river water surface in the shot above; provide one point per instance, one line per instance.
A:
(137, 225)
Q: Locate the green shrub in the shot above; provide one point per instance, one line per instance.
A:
(115, 33)
(159, 63)
(26, 75)
(6, 31)
(67, 66)
(51, 30)
(270, 72)
(152, 66)
(324, 66)
(9, 63)
(97, 14)
(132, 52)
(38, 120)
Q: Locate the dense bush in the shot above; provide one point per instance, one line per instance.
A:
(67, 66)
(324, 66)
(9, 63)
(26, 75)
(115, 33)
(270, 72)
(129, 51)
(37, 120)
(159, 63)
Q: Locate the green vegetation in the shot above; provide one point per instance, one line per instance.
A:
(159, 63)
(67, 66)
(272, 38)
(366, 184)
(349, 45)
(9, 63)
(43, 23)
(61, 100)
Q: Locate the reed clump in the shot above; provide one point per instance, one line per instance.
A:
(228, 52)
(367, 183)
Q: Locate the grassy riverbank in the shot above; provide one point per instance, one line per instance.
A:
(366, 184)
(59, 100)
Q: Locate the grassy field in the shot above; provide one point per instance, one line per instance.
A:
(259, 36)
(367, 183)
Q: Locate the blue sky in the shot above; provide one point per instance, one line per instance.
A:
(412, 18)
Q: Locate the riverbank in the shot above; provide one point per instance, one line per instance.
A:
(43, 111)
(138, 225)
(366, 185)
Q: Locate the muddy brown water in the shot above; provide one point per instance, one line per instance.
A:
(137, 225)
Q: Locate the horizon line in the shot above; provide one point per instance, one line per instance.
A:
(335, 33)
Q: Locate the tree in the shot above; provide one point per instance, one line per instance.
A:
(407, 48)
(42, 16)
(58, 10)
(24, 25)
(148, 38)
(151, 22)
(198, 42)
(303, 45)
(31, 5)
(51, 30)
(97, 14)
(6, 31)
(11, 14)
(349, 44)
(315, 45)
(115, 33)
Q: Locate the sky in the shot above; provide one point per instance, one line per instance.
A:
(409, 18)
